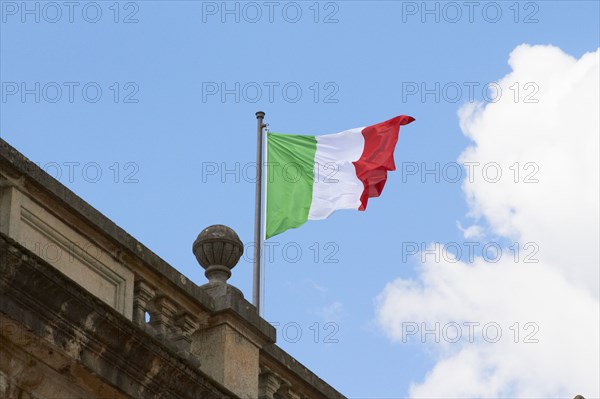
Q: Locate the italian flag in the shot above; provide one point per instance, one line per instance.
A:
(310, 177)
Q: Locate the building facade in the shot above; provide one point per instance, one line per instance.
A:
(86, 311)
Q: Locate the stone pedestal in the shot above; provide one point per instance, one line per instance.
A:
(229, 344)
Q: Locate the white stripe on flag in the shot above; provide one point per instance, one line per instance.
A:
(335, 183)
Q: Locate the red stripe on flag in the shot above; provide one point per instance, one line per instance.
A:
(378, 156)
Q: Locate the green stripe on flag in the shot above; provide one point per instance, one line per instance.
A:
(290, 177)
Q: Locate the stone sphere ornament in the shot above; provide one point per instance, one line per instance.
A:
(218, 249)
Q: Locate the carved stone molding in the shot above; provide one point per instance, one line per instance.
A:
(143, 293)
(268, 384)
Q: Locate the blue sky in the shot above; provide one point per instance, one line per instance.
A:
(162, 121)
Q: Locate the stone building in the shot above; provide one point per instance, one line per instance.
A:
(86, 311)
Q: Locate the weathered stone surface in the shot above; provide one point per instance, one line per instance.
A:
(101, 344)
(282, 364)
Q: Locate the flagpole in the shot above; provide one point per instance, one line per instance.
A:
(257, 212)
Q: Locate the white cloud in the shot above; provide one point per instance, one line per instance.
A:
(558, 139)
(473, 231)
